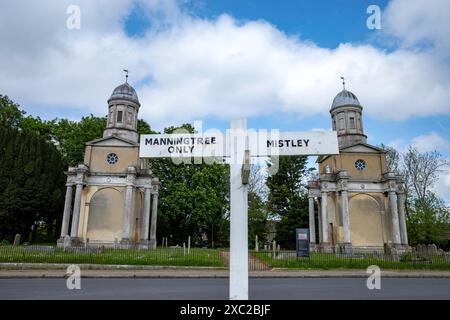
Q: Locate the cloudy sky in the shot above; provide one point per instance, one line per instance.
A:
(276, 62)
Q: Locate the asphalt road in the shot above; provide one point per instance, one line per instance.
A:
(217, 289)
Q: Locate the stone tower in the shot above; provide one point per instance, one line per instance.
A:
(355, 202)
(115, 193)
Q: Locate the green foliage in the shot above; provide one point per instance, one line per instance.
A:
(257, 219)
(428, 220)
(10, 114)
(427, 215)
(71, 136)
(288, 198)
(32, 180)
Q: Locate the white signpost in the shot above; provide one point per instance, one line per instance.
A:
(239, 145)
(183, 145)
(260, 144)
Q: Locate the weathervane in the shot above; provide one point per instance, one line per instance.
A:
(343, 82)
(126, 77)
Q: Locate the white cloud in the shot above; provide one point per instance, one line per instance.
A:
(418, 22)
(188, 68)
(431, 142)
(442, 187)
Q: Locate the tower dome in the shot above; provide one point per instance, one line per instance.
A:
(345, 98)
(125, 91)
(123, 108)
(346, 114)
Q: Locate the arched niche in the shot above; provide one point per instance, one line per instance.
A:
(366, 225)
(105, 216)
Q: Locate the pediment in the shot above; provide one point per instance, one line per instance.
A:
(356, 148)
(115, 141)
(362, 148)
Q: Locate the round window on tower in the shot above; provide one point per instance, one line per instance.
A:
(112, 158)
(360, 165)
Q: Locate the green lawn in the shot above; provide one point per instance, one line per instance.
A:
(332, 261)
(212, 258)
(160, 256)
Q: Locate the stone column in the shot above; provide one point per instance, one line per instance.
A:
(128, 206)
(127, 215)
(324, 218)
(67, 208)
(154, 221)
(345, 217)
(395, 221)
(145, 224)
(76, 211)
(312, 222)
(319, 219)
(402, 218)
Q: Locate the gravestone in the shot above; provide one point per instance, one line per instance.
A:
(17, 240)
(432, 250)
(189, 245)
(66, 242)
(421, 249)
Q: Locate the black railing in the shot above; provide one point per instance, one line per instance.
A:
(196, 257)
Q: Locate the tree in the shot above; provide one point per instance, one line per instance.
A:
(71, 136)
(428, 221)
(257, 205)
(393, 158)
(288, 198)
(427, 216)
(33, 184)
(10, 114)
(421, 172)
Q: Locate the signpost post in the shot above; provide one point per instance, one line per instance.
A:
(239, 145)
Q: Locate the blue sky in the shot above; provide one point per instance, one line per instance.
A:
(326, 23)
(277, 63)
